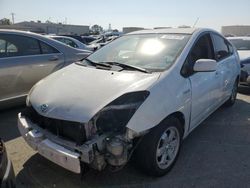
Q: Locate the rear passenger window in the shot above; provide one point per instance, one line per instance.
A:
(7, 48)
(2, 45)
(30, 46)
(16, 45)
(221, 47)
(46, 49)
(10, 48)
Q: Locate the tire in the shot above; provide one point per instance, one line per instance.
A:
(156, 157)
(230, 102)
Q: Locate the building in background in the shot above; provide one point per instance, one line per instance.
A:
(236, 30)
(131, 29)
(49, 28)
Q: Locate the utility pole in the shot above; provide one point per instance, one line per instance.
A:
(13, 17)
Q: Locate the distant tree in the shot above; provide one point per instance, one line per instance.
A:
(5, 21)
(96, 29)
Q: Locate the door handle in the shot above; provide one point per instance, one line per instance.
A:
(186, 91)
(54, 58)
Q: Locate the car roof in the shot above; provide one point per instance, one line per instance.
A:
(56, 44)
(59, 36)
(14, 31)
(242, 37)
(170, 30)
(88, 37)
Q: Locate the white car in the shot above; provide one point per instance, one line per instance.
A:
(242, 44)
(140, 95)
(74, 43)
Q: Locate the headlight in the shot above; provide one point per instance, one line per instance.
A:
(28, 100)
(115, 116)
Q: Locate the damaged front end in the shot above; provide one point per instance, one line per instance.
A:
(100, 142)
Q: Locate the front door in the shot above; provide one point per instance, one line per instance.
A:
(205, 86)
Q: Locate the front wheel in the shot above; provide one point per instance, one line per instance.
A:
(233, 96)
(159, 149)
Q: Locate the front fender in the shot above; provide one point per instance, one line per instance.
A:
(165, 98)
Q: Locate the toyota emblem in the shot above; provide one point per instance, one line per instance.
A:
(44, 108)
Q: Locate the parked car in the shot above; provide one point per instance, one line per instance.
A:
(108, 40)
(7, 175)
(77, 37)
(242, 44)
(113, 33)
(87, 39)
(139, 96)
(74, 43)
(84, 39)
(26, 58)
(102, 41)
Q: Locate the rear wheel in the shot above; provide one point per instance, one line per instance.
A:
(159, 149)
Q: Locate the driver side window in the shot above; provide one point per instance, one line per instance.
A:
(202, 49)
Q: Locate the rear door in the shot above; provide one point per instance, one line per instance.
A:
(24, 61)
(205, 86)
(226, 64)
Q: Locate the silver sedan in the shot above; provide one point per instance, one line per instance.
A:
(26, 58)
(74, 43)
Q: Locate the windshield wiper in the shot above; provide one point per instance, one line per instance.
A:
(125, 66)
(97, 64)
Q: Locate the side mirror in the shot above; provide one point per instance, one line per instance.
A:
(205, 65)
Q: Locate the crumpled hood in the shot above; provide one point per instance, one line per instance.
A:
(77, 93)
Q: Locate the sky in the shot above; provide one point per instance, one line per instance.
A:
(128, 13)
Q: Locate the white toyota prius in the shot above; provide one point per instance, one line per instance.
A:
(138, 97)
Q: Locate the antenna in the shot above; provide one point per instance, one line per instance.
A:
(196, 21)
(13, 17)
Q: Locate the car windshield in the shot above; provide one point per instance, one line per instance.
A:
(153, 52)
(241, 44)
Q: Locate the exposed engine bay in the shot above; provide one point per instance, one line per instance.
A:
(105, 150)
(103, 140)
(98, 146)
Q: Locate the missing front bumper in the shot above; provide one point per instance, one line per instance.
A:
(54, 152)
